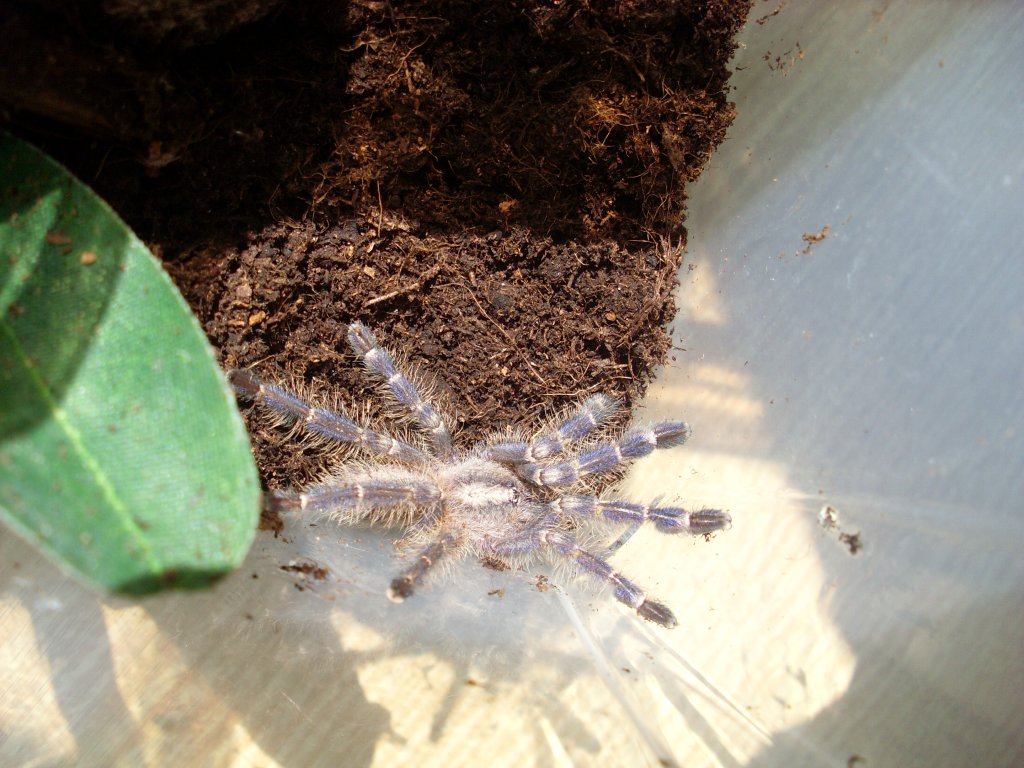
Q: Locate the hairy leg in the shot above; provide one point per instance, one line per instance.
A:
(588, 416)
(607, 456)
(665, 519)
(625, 591)
(378, 362)
(321, 421)
(403, 585)
(349, 499)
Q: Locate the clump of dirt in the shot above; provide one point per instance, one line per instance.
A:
(576, 123)
(497, 189)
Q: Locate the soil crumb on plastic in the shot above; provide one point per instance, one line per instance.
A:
(813, 238)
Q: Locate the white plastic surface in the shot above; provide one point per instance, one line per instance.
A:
(879, 374)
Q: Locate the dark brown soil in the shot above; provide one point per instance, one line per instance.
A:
(497, 188)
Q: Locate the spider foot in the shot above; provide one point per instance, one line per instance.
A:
(401, 588)
(699, 522)
(657, 612)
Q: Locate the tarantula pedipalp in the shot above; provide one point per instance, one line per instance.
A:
(499, 500)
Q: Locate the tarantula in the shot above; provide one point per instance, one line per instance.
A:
(500, 500)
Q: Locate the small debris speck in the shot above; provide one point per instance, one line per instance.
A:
(852, 541)
(811, 238)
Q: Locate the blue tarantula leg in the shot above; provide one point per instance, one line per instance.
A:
(587, 417)
(607, 456)
(626, 592)
(403, 585)
(320, 421)
(360, 496)
(378, 362)
(665, 519)
(527, 540)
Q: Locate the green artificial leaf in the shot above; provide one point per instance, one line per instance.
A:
(122, 454)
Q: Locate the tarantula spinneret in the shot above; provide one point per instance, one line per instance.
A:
(502, 500)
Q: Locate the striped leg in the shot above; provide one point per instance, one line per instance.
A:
(665, 519)
(587, 417)
(607, 456)
(403, 585)
(626, 592)
(526, 541)
(320, 421)
(355, 498)
(379, 363)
